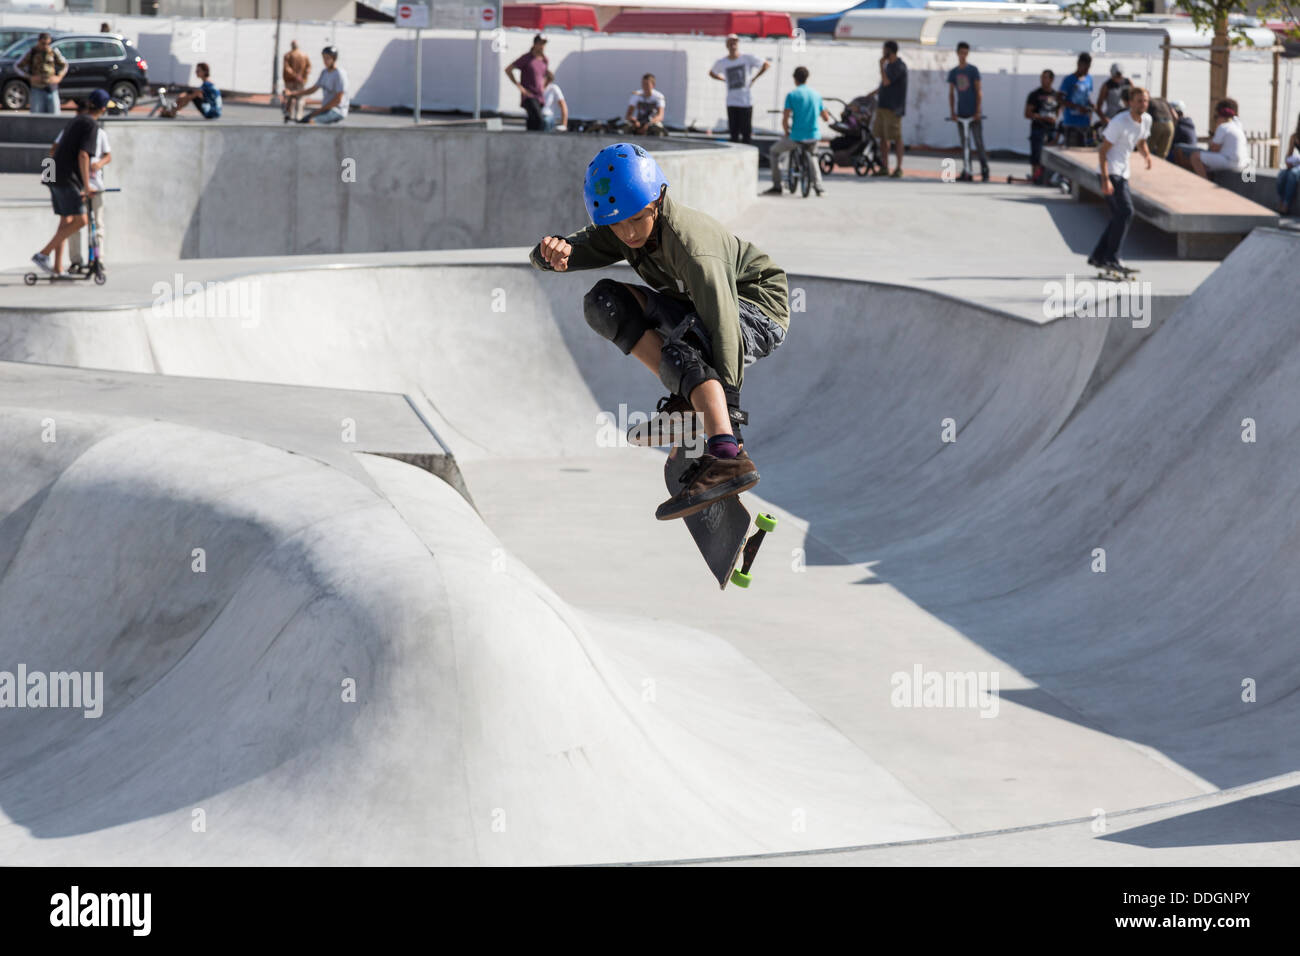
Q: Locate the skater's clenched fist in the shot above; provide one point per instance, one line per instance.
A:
(556, 252)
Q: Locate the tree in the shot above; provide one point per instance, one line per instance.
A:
(1210, 16)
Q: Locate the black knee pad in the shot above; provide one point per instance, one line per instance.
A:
(682, 368)
(614, 313)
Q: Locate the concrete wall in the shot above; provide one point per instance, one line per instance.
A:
(598, 71)
(202, 190)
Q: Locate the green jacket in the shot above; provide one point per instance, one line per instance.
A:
(693, 257)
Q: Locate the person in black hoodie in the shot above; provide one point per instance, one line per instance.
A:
(71, 181)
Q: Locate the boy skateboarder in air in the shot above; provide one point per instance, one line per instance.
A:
(714, 305)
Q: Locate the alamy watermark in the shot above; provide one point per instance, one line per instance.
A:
(1099, 299)
(77, 690)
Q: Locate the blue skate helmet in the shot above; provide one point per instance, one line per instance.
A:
(621, 181)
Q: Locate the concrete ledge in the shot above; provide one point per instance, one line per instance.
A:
(196, 190)
(1208, 220)
(1261, 189)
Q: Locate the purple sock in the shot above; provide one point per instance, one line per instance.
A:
(724, 446)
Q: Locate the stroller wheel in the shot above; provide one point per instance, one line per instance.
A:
(862, 167)
(827, 162)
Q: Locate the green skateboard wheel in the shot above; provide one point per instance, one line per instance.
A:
(740, 579)
(766, 522)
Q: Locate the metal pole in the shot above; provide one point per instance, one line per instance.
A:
(275, 58)
(1274, 159)
(478, 73)
(417, 74)
(1164, 72)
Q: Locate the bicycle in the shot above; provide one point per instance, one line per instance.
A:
(166, 104)
(798, 173)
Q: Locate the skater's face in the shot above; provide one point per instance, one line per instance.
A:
(1138, 102)
(1045, 80)
(634, 232)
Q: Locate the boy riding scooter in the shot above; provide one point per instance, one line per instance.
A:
(715, 305)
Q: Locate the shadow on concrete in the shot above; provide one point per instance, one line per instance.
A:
(1266, 818)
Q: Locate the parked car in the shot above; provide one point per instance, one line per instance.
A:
(95, 61)
(11, 35)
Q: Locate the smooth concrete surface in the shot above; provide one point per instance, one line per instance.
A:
(997, 244)
(554, 679)
(207, 190)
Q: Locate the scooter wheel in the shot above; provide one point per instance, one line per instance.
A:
(30, 278)
(100, 278)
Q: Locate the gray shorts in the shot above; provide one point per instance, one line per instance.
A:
(759, 335)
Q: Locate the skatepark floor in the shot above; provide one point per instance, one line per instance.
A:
(888, 557)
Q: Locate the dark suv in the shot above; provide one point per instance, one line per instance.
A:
(11, 35)
(95, 61)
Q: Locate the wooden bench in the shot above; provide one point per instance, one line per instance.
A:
(1207, 219)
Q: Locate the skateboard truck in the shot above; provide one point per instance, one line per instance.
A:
(740, 576)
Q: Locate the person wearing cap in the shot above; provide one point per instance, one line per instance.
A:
(1228, 149)
(740, 72)
(44, 69)
(101, 158)
(70, 182)
(206, 99)
(532, 67)
(712, 305)
(333, 86)
(1112, 97)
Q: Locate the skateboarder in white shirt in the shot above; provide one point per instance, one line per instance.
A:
(1127, 131)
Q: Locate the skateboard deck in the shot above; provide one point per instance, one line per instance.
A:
(721, 529)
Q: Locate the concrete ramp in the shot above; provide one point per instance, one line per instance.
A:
(298, 667)
(563, 687)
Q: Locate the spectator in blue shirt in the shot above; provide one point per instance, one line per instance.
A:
(803, 106)
(207, 98)
(965, 100)
(1076, 91)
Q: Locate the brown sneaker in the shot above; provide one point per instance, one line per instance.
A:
(707, 481)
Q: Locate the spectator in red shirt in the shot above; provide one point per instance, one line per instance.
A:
(532, 67)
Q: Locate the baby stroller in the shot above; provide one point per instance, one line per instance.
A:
(855, 146)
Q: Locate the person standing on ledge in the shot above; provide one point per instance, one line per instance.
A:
(1126, 132)
(714, 305)
(532, 67)
(739, 72)
(297, 68)
(891, 104)
(966, 100)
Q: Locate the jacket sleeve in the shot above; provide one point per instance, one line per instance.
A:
(713, 292)
(594, 247)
